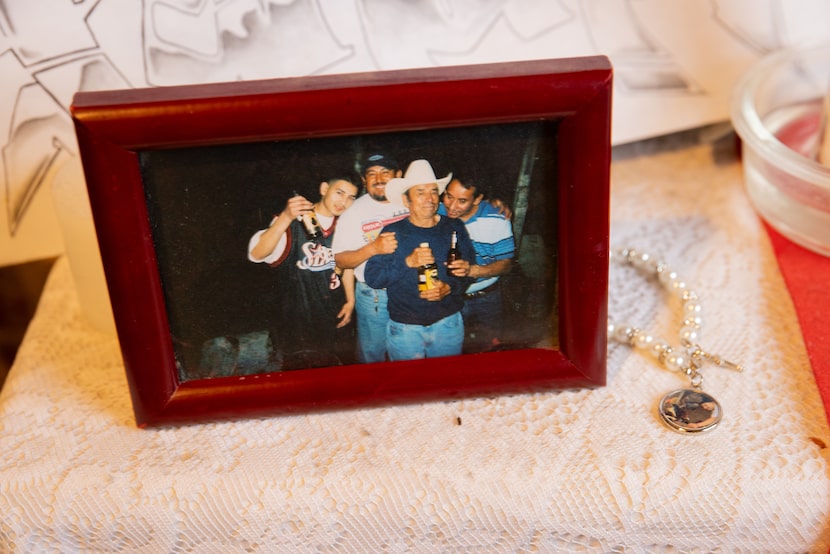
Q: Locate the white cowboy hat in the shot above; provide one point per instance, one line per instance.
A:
(419, 172)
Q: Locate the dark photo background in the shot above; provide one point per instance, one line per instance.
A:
(204, 203)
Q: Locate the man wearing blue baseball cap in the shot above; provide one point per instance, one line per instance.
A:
(358, 238)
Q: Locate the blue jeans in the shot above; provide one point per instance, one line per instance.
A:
(372, 318)
(483, 322)
(443, 338)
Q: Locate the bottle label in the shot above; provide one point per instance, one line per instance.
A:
(427, 276)
(312, 228)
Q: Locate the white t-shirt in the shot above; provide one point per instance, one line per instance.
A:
(324, 221)
(362, 223)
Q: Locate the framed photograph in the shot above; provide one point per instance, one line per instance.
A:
(228, 305)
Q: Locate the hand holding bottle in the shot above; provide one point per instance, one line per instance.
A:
(427, 269)
(421, 256)
(297, 206)
(456, 265)
(439, 290)
(459, 268)
(301, 209)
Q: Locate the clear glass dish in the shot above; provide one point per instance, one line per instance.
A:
(777, 112)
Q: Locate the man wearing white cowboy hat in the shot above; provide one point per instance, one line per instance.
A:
(423, 323)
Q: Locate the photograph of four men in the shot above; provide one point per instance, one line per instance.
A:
(336, 251)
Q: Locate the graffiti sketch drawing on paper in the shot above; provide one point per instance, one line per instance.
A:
(46, 55)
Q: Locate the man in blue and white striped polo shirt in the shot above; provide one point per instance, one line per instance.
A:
(492, 235)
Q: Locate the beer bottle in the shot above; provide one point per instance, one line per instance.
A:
(312, 227)
(313, 230)
(427, 274)
(454, 253)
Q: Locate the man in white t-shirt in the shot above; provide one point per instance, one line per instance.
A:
(357, 238)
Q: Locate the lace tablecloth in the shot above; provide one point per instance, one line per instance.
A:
(570, 471)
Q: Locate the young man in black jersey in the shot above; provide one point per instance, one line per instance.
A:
(316, 298)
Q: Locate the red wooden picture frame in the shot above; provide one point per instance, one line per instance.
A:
(115, 127)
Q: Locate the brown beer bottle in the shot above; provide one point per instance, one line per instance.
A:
(312, 227)
(454, 253)
(427, 274)
(313, 230)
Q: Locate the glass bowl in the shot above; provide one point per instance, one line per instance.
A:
(777, 112)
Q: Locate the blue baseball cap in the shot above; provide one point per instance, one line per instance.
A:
(381, 159)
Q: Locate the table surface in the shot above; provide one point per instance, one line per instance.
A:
(563, 471)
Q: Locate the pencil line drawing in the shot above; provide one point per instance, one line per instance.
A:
(242, 40)
(46, 55)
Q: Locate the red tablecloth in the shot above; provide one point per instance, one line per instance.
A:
(807, 276)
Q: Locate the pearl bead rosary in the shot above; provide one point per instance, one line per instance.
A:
(684, 410)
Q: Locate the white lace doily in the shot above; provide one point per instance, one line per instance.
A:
(572, 471)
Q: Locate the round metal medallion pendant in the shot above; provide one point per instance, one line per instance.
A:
(689, 411)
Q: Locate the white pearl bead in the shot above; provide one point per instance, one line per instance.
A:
(643, 340)
(659, 346)
(693, 321)
(678, 287)
(622, 334)
(689, 334)
(692, 308)
(645, 262)
(676, 361)
(689, 294)
(667, 276)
